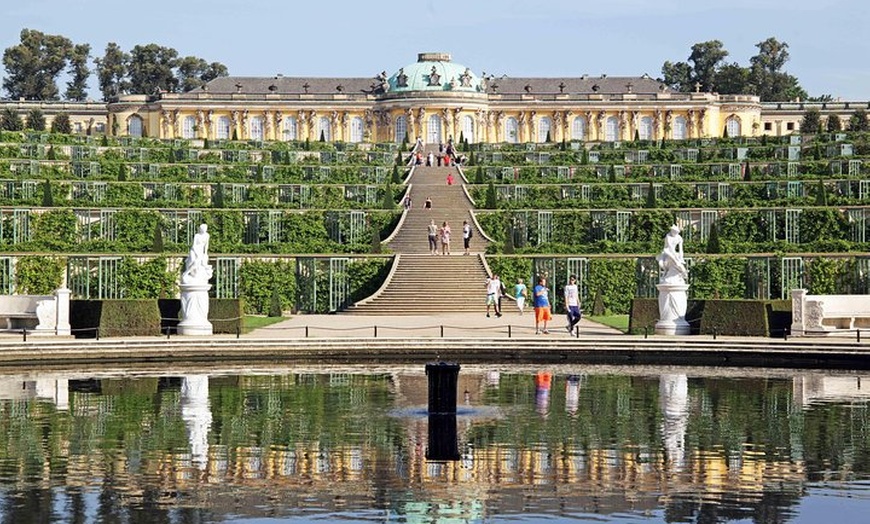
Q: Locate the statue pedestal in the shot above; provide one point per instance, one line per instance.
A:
(194, 310)
(673, 299)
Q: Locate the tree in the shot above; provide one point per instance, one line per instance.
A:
(61, 124)
(812, 121)
(834, 124)
(194, 72)
(275, 308)
(157, 243)
(701, 69)
(732, 79)
(821, 194)
(152, 68)
(651, 196)
(10, 121)
(112, 71)
(79, 72)
(713, 243)
(35, 120)
(491, 197)
(32, 67)
(770, 82)
(858, 121)
(47, 197)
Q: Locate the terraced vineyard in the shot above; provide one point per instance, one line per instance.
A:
(759, 216)
(112, 218)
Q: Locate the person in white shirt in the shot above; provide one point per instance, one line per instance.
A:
(493, 293)
(572, 304)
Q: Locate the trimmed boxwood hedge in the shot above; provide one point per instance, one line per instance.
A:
(765, 318)
(147, 317)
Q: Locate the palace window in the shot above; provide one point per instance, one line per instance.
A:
(434, 130)
(356, 129)
(256, 128)
(134, 126)
(645, 129)
(324, 129)
(468, 128)
(611, 129)
(511, 130)
(222, 128)
(578, 128)
(188, 128)
(678, 132)
(732, 126)
(401, 128)
(544, 128)
(291, 130)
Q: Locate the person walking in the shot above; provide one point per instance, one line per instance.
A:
(572, 305)
(466, 235)
(445, 238)
(520, 294)
(428, 203)
(432, 229)
(541, 297)
(493, 290)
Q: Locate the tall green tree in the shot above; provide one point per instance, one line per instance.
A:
(61, 124)
(732, 79)
(858, 121)
(33, 65)
(834, 124)
(193, 72)
(767, 76)
(79, 72)
(152, 67)
(10, 121)
(112, 71)
(35, 120)
(700, 69)
(811, 121)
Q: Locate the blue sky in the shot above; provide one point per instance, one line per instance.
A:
(827, 38)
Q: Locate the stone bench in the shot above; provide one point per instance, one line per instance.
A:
(28, 312)
(828, 314)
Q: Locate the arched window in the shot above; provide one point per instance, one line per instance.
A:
(511, 130)
(324, 129)
(468, 128)
(578, 128)
(545, 125)
(401, 128)
(611, 129)
(433, 135)
(732, 125)
(356, 129)
(645, 128)
(678, 131)
(291, 129)
(188, 127)
(134, 126)
(222, 128)
(256, 128)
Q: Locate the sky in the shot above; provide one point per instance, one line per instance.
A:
(521, 38)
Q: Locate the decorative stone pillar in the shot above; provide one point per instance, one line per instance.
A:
(62, 327)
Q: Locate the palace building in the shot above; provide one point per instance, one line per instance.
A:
(435, 98)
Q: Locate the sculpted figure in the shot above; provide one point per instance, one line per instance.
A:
(196, 267)
(671, 258)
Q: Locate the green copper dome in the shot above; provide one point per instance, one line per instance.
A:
(434, 72)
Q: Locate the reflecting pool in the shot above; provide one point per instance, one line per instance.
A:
(356, 444)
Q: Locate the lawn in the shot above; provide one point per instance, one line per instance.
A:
(252, 322)
(619, 322)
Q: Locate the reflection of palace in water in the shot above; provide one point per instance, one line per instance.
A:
(597, 476)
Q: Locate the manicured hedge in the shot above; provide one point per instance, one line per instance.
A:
(114, 318)
(229, 313)
(762, 318)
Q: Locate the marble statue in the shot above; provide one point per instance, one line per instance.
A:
(671, 258)
(674, 403)
(672, 286)
(196, 413)
(194, 287)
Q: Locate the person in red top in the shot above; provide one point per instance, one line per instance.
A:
(450, 179)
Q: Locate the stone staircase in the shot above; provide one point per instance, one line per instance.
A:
(422, 283)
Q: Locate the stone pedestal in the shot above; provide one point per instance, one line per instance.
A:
(194, 310)
(673, 300)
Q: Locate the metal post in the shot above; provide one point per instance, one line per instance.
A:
(376, 331)
(306, 331)
(238, 332)
(167, 332)
(442, 331)
(24, 333)
(509, 331)
(714, 333)
(645, 331)
(98, 333)
(859, 334)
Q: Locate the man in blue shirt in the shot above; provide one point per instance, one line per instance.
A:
(541, 297)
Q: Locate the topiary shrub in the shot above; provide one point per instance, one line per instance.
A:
(114, 318)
